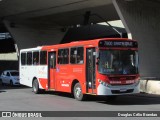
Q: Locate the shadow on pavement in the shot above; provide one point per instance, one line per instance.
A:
(2, 91)
(137, 99)
(7, 87)
(61, 94)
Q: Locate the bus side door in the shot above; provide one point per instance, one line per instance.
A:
(51, 70)
(90, 70)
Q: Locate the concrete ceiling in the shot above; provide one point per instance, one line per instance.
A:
(58, 12)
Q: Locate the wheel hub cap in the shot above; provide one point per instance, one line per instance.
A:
(78, 92)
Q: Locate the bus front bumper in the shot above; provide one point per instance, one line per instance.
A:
(118, 90)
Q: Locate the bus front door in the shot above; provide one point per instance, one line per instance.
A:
(90, 70)
(51, 70)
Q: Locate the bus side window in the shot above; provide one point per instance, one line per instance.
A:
(66, 56)
(77, 55)
(23, 58)
(35, 58)
(73, 55)
(43, 57)
(63, 56)
(60, 56)
(29, 58)
(80, 55)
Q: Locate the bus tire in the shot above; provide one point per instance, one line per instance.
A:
(35, 86)
(78, 95)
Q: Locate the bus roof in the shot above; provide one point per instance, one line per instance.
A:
(72, 44)
(81, 43)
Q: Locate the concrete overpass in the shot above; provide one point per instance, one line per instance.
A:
(39, 22)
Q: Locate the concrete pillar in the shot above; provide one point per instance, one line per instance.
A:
(142, 19)
(27, 35)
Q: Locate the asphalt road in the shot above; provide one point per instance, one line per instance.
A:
(23, 99)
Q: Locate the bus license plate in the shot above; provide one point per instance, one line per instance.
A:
(123, 90)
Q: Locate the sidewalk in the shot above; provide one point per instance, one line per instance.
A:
(150, 86)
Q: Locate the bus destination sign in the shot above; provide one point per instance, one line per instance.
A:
(129, 44)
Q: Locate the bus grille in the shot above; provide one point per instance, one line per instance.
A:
(121, 84)
(119, 92)
(122, 78)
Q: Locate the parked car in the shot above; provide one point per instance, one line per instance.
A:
(10, 77)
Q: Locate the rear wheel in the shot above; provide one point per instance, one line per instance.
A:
(78, 95)
(35, 86)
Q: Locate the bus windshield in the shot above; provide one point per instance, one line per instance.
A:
(122, 62)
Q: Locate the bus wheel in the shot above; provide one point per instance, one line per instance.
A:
(35, 86)
(78, 95)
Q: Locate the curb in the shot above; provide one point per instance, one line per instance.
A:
(150, 86)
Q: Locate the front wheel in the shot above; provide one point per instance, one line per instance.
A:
(35, 86)
(78, 95)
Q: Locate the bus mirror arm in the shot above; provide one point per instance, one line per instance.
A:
(97, 55)
(97, 62)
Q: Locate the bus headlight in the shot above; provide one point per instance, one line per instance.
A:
(103, 83)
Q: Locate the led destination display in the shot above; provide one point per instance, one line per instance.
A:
(130, 44)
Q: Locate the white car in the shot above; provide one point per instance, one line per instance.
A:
(10, 77)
